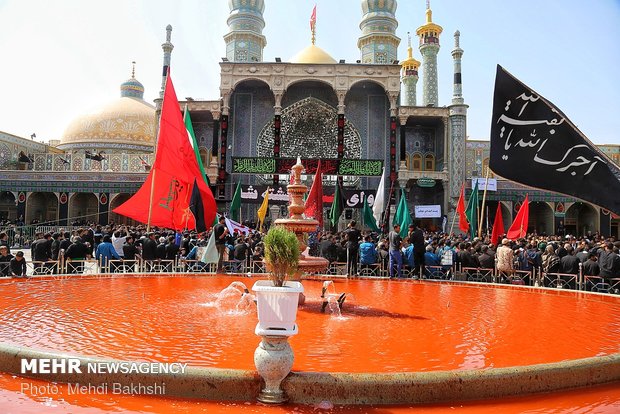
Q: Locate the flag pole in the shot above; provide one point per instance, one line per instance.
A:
(453, 221)
(386, 211)
(484, 196)
(454, 217)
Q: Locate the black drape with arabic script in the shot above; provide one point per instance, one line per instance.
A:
(534, 143)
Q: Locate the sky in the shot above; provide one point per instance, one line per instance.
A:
(63, 58)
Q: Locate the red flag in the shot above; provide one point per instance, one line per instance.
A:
(498, 225)
(314, 202)
(173, 174)
(460, 209)
(519, 226)
(313, 18)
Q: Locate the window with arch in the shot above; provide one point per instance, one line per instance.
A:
(204, 156)
(429, 162)
(416, 161)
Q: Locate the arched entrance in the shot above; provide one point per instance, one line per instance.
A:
(83, 208)
(541, 218)
(8, 208)
(117, 218)
(581, 219)
(42, 208)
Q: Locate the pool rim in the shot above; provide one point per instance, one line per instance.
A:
(346, 388)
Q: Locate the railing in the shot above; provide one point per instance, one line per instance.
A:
(89, 267)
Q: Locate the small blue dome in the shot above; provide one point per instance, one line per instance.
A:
(132, 88)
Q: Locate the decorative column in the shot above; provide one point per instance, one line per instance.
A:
(340, 142)
(21, 205)
(221, 172)
(277, 125)
(392, 166)
(103, 208)
(403, 143)
(216, 137)
(63, 209)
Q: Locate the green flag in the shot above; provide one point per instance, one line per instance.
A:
(235, 204)
(192, 140)
(472, 211)
(337, 205)
(369, 219)
(402, 215)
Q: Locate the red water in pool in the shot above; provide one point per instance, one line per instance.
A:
(386, 326)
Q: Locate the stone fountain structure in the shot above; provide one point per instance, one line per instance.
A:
(301, 226)
(274, 356)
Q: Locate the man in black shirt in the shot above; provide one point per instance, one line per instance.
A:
(4, 241)
(353, 248)
(396, 257)
(65, 241)
(17, 265)
(149, 251)
(221, 231)
(129, 254)
(5, 258)
(328, 248)
(76, 254)
(417, 239)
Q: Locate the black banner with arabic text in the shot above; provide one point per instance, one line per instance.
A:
(253, 194)
(534, 143)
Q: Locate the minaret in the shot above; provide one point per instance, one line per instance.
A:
(457, 54)
(409, 76)
(245, 41)
(429, 47)
(378, 42)
(167, 48)
(458, 128)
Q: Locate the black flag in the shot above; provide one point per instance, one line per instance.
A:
(534, 143)
(196, 206)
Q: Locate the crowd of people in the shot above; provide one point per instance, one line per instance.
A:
(414, 251)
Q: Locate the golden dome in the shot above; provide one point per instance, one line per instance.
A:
(123, 124)
(312, 54)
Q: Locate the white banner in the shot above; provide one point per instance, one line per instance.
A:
(430, 211)
(482, 182)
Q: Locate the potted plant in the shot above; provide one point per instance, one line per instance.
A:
(277, 298)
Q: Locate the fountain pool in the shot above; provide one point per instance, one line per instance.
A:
(430, 331)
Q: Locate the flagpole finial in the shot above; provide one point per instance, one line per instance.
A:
(313, 24)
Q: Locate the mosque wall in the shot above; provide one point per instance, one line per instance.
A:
(251, 110)
(368, 109)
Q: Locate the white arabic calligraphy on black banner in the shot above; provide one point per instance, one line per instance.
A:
(254, 194)
(534, 143)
